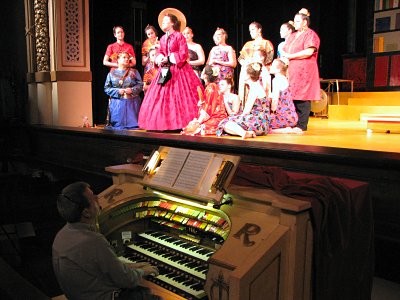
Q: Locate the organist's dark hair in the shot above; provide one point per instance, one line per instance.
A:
(71, 202)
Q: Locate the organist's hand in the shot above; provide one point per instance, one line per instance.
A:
(139, 265)
(150, 270)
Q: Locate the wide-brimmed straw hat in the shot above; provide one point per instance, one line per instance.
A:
(181, 17)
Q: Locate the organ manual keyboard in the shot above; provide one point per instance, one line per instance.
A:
(209, 239)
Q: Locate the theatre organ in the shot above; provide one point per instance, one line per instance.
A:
(209, 239)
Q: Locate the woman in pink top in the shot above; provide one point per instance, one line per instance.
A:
(301, 48)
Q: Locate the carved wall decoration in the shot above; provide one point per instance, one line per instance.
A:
(72, 24)
(41, 35)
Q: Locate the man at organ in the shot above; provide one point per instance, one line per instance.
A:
(85, 265)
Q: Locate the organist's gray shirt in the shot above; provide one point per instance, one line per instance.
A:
(87, 267)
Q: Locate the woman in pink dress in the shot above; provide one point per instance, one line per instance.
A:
(301, 48)
(211, 107)
(173, 104)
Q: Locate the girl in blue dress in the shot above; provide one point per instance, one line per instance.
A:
(123, 85)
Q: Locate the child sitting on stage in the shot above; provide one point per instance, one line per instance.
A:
(283, 112)
(254, 120)
(231, 100)
(260, 56)
(211, 106)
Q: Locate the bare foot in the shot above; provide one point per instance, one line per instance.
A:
(297, 130)
(283, 130)
(249, 134)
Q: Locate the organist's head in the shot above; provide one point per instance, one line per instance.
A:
(78, 203)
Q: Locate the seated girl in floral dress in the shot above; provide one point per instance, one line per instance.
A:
(283, 112)
(254, 120)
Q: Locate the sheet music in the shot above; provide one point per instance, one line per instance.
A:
(193, 171)
(170, 167)
(189, 172)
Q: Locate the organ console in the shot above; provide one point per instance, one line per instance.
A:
(208, 238)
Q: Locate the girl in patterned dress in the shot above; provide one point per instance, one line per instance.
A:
(283, 111)
(222, 55)
(254, 120)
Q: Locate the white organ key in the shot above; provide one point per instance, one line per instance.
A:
(168, 261)
(194, 253)
(197, 293)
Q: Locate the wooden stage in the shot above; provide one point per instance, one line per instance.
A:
(332, 148)
(341, 134)
(322, 133)
(326, 133)
(335, 134)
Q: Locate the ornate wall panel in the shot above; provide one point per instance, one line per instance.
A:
(72, 17)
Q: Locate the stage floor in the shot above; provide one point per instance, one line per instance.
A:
(336, 134)
(340, 134)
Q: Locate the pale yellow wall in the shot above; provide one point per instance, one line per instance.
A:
(72, 101)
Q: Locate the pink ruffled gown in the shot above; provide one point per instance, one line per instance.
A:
(173, 105)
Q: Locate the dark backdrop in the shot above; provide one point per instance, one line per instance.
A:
(328, 18)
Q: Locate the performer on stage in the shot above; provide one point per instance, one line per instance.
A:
(247, 54)
(283, 112)
(231, 100)
(110, 58)
(211, 107)
(170, 104)
(196, 52)
(254, 120)
(285, 30)
(222, 55)
(151, 42)
(151, 68)
(123, 85)
(301, 48)
(260, 56)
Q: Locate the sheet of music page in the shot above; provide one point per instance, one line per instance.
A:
(170, 167)
(183, 169)
(193, 171)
